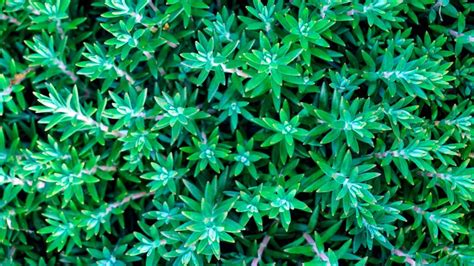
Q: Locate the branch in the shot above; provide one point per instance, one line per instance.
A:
(419, 210)
(60, 64)
(148, 55)
(261, 249)
(104, 168)
(239, 72)
(152, 29)
(320, 255)
(408, 258)
(89, 121)
(131, 81)
(15, 181)
(126, 200)
(353, 11)
(10, 19)
(381, 155)
(154, 117)
(152, 5)
(125, 75)
(170, 44)
(17, 79)
(456, 34)
(33, 10)
(11, 252)
(60, 29)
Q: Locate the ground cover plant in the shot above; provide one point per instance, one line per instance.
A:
(228, 132)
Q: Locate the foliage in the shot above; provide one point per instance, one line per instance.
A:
(200, 132)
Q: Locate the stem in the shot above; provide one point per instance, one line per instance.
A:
(312, 243)
(89, 121)
(381, 155)
(104, 168)
(12, 252)
(156, 118)
(126, 200)
(323, 11)
(204, 137)
(17, 79)
(10, 19)
(34, 11)
(15, 181)
(62, 66)
(456, 34)
(125, 75)
(408, 258)
(352, 12)
(148, 55)
(261, 249)
(441, 176)
(60, 29)
(172, 45)
(419, 210)
(152, 29)
(152, 5)
(239, 72)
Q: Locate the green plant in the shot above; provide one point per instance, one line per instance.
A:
(201, 132)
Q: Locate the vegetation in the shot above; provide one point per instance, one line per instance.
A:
(228, 132)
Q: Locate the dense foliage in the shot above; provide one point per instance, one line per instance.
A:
(195, 132)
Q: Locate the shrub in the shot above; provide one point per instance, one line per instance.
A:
(181, 132)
